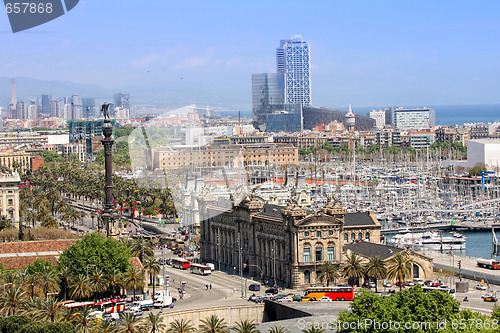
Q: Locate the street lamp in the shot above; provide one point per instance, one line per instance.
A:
(260, 269)
(88, 269)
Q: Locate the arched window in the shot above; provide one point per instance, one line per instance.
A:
(353, 237)
(307, 277)
(319, 253)
(318, 278)
(346, 238)
(367, 237)
(360, 236)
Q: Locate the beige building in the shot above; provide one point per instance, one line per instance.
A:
(10, 159)
(282, 243)
(231, 155)
(9, 197)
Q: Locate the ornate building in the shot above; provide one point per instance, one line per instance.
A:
(281, 243)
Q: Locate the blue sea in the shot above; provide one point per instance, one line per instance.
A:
(445, 114)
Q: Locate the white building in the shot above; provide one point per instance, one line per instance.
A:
(9, 197)
(484, 151)
(415, 118)
(379, 117)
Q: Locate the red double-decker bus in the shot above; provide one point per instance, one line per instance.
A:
(335, 293)
(181, 263)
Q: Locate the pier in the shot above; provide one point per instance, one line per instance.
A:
(456, 226)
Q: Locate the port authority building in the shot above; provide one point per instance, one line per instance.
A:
(287, 243)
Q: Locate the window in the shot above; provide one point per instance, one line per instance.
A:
(307, 254)
(360, 236)
(367, 237)
(306, 233)
(353, 237)
(330, 232)
(346, 238)
(11, 201)
(318, 234)
(307, 277)
(331, 253)
(318, 278)
(319, 253)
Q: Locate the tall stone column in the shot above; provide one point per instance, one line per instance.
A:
(107, 142)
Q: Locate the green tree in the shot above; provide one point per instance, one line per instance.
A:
(352, 268)
(134, 278)
(329, 272)
(213, 324)
(12, 300)
(47, 311)
(106, 254)
(399, 267)
(181, 326)
(153, 268)
(375, 268)
(79, 287)
(129, 323)
(409, 306)
(278, 329)
(154, 323)
(245, 326)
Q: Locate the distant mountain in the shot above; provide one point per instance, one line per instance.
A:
(148, 95)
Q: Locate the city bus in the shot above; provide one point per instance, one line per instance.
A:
(335, 293)
(446, 290)
(181, 263)
(77, 305)
(200, 269)
(112, 306)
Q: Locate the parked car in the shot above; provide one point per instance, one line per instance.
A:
(285, 299)
(409, 283)
(486, 295)
(419, 281)
(325, 299)
(273, 291)
(254, 287)
(137, 313)
(387, 285)
(372, 284)
(481, 287)
(490, 299)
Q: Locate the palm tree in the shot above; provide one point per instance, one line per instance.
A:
(140, 248)
(134, 279)
(103, 326)
(352, 268)
(153, 268)
(154, 323)
(314, 330)
(376, 269)
(12, 300)
(278, 329)
(98, 282)
(83, 323)
(80, 287)
(213, 324)
(246, 326)
(113, 280)
(130, 323)
(30, 281)
(48, 280)
(181, 326)
(329, 272)
(399, 267)
(64, 276)
(47, 311)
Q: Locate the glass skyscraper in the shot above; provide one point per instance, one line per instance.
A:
(293, 63)
(277, 98)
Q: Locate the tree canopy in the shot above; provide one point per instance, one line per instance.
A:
(409, 311)
(95, 252)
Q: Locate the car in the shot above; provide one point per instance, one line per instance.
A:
(254, 287)
(409, 283)
(486, 295)
(273, 291)
(325, 299)
(387, 285)
(398, 284)
(490, 299)
(481, 287)
(419, 281)
(285, 299)
(372, 284)
(137, 313)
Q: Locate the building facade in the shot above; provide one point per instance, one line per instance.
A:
(284, 244)
(379, 117)
(407, 119)
(9, 197)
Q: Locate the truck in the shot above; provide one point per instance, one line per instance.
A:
(162, 298)
(488, 263)
(142, 305)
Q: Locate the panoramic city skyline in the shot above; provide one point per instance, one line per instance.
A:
(390, 54)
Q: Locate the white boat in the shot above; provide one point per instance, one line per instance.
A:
(431, 239)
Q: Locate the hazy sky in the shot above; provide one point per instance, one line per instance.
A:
(362, 52)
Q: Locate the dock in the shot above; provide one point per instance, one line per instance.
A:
(456, 226)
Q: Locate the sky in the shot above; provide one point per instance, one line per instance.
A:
(364, 53)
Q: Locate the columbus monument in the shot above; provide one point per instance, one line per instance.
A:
(108, 214)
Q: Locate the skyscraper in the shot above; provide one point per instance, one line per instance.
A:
(122, 100)
(13, 98)
(282, 94)
(46, 100)
(76, 107)
(293, 62)
(88, 107)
